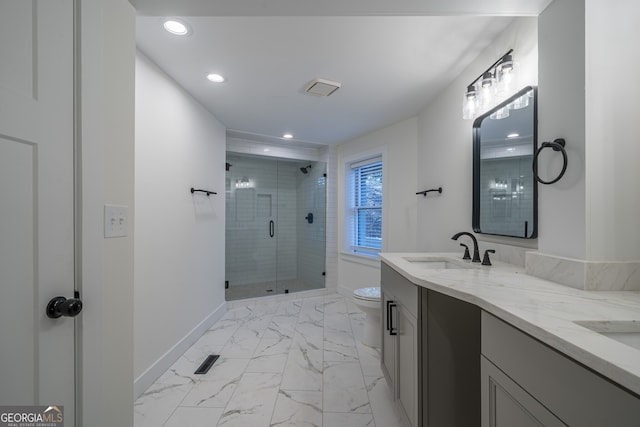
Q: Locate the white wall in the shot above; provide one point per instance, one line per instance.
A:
(399, 144)
(561, 206)
(591, 214)
(444, 153)
(179, 247)
(613, 146)
(107, 175)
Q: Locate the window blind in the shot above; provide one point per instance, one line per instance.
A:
(367, 205)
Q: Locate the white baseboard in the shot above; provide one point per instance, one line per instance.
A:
(160, 366)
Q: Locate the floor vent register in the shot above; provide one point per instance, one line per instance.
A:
(207, 364)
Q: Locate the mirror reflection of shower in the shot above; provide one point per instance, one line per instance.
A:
(275, 225)
(305, 170)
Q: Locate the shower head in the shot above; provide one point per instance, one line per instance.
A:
(305, 169)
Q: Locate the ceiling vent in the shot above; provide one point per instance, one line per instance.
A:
(322, 87)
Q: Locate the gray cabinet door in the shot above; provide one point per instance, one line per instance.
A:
(407, 388)
(506, 404)
(388, 351)
(400, 353)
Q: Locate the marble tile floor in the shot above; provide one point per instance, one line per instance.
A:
(282, 363)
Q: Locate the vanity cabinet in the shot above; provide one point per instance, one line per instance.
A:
(430, 353)
(450, 361)
(400, 353)
(527, 383)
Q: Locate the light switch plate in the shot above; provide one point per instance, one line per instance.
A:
(115, 221)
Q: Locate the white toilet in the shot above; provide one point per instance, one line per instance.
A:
(368, 300)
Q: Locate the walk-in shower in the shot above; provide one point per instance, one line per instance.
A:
(275, 226)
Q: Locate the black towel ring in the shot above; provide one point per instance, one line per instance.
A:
(557, 145)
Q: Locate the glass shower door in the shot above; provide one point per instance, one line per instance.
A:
(275, 226)
(301, 226)
(251, 194)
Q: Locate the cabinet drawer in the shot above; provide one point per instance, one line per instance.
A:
(393, 283)
(573, 393)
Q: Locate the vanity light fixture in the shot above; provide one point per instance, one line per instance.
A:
(177, 27)
(493, 85)
(215, 78)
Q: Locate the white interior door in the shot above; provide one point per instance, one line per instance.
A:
(36, 202)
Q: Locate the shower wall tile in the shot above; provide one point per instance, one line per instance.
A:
(506, 210)
(287, 218)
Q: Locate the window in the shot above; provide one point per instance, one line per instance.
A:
(364, 227)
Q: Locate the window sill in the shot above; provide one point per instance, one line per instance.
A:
(370, 260)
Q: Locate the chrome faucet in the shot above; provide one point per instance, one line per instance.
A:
(476, 252)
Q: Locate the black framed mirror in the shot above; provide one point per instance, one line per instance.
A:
(505, 194)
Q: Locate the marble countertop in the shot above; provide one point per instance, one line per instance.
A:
(543, 309)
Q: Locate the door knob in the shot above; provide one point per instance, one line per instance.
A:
(60, 306)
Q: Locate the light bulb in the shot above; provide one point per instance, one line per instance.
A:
(505, 73)
(488, 91)
(507, 64)
(488, 80)
(470, 103)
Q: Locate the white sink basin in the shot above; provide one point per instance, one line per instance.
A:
(439, 263)
(624, 331)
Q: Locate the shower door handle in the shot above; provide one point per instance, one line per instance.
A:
(272, 228)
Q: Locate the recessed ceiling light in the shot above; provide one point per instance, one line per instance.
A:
(287, 136)
(511, 149)
(216, 78)
(176, 27)
(513, 135)
(266, 150)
